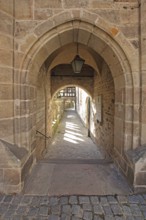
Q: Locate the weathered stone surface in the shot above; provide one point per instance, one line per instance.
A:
(6, 42)
(48, 4)
(6, 109)
(22, 28)
(6, 75)
(141, 178)
(6, 57)
(26, 167)
(6, 129)
(7, 6)
(76, 4)
(111, 30)
(12, 176)
(6, 23)
(6, 92)
(24, 10)
(43, 13)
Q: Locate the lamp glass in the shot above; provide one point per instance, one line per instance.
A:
(77, 64)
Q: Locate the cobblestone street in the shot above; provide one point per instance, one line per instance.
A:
(18, 207)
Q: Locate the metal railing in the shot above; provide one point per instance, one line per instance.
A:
(42, 134)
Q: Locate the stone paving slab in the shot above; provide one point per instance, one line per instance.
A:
(68, 179)
(73, 164)
(116, 207)
(71, 140)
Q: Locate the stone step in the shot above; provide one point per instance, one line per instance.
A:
(76, 161)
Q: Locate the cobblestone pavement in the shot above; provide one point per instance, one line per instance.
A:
(17, 207)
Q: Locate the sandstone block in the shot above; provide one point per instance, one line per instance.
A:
(6, 57)
(25, 28)
(6, 23)
(140, 179)
(131, 32)
(11, 176)
(48, 4)
(1, 176)
(28, 42)
(6, 42)
(143, 136)
(128, 113)
(7, 6)
(6, 109)
(143, 114)
(6, 92)
(6, 75)
(44, 28)
(67, 37)
(62, 18)
(43, 13)
(76, 3)
(24, 9)
(6, 128)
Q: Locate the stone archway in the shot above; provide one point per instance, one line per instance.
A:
(90, 30)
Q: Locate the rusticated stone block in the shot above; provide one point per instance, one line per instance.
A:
(12, 176)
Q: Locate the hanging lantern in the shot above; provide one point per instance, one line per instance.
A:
(77, 64)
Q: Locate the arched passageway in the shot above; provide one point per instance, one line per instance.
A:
(72, 162)
(111, 58)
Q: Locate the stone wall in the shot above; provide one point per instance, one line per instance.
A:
(103, 131)
(139, 155)
(58, 107)
(59, 82)
(6, 71)
(82, 105)
(40, 141)
(33, 32)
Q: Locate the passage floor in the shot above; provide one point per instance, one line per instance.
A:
(73, 164)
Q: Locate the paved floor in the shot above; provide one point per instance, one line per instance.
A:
(74, 165)
(19, 207)
(71, 141)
